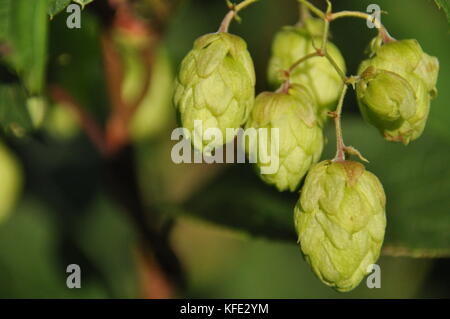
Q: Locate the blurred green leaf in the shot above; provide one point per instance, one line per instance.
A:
(24, 40)
(79, 71)
(239, 199)
(14, 114)
(416, 179)
(29, 263)
(445, 6)
(107, 238)
(56, 6)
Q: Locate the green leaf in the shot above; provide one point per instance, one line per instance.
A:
(445, 6)
(239, 199)
(106, 237)
(4, 18)
(416, 180)
(23, 37)
(82, 3)
(56, 6)
(14, 114)
(80, 72)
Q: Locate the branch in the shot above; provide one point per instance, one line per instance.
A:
(234, 9)
(356, 14)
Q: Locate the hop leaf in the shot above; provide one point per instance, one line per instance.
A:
(340, 222)
(317, 74)
(396, 87)
(300, 137)
(215, 84)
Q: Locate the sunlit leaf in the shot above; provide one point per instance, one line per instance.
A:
(23, 39)
(56, 6)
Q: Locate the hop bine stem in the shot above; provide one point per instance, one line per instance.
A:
(303, 13)
(322, 51)
(234, 9)
(313, 8)
(301, 60)
(362, 15)
(328, 16)
(340, 146)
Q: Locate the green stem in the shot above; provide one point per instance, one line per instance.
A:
(304, 14)
(336, 67)
(301, 60)
(313, 8)
(362, 15)
(340, 146)
(243, 4)
(285, 85)
(234, 9)
(328, 17)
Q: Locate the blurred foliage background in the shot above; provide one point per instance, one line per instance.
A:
(139, 225)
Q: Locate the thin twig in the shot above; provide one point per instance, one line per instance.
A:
(313, 8)
(304, 13)
(301, 60)
(327, 17)
(336, 67)
(234, 9)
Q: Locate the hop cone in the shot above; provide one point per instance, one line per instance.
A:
(340, 221)
(215, 84)
(396, 87)
(292, 43)
(300, 137)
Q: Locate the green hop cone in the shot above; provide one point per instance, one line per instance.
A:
(300, 141)
(396, 86)
(320, 77)
(215, 85)
(340, 221)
